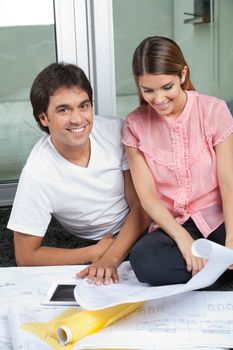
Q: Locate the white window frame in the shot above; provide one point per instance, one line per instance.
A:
(71, 32)
(104, 56)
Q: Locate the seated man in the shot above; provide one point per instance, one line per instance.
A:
(77, 173)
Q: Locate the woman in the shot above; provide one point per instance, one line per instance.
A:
(180, 151)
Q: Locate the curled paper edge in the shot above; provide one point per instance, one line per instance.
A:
(93, 297)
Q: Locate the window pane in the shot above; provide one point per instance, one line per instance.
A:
(27, 41)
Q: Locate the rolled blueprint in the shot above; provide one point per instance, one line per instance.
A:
(84, 323)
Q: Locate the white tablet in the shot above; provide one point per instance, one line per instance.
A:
(60, 294)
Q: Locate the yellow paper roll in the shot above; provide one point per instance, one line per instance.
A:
(84, 323)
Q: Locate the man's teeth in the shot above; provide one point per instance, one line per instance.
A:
(77, 130)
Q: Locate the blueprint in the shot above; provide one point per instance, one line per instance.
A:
(93, 297)
(188, 320)
(196, 319)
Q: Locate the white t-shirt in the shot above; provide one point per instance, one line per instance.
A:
(88, 202)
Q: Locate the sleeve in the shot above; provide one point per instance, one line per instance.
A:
(222, 123)
(31, 211)
(129, 137)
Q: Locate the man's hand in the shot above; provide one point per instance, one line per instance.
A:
(100, 272)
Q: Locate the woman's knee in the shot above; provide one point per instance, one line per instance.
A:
(146, 258)
(158, 261)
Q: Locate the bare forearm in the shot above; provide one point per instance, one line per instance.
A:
(161, 216)
(135, 225)
(56, 256)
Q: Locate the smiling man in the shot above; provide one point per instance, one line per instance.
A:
(78, 174)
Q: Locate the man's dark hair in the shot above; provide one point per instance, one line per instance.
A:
(52, 78)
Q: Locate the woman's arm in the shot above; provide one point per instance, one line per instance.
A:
(224, 156)
(146, 189)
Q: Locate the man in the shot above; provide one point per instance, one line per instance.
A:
(77, 173)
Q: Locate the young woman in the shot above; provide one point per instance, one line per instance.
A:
(180, 151)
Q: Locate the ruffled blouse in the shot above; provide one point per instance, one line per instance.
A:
(181, 156)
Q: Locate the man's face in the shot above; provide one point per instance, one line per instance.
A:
(69, 120)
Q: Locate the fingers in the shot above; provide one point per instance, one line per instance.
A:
(93, 274)
(99, 275)
(110, 273)
(103, 275)
(83, 273)
(188, 263)
(195, 264)
(204, 262)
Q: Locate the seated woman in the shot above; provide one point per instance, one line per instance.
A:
(180, 151)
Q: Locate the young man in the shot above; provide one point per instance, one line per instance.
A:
(77, 173)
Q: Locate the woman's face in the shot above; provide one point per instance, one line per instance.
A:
(164, 93)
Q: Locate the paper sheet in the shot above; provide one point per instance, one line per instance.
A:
(185, 321)
(193, 319)
(92, 297)
(28, 285)
(25, 284)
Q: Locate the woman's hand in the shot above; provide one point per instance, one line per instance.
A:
(102, 271)
(193, 263)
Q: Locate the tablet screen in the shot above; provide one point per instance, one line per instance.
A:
(60, 294)
(63, 292)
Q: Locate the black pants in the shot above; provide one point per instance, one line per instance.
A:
(157, 260)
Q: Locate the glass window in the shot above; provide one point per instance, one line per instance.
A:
(202, 28)
(27, 39)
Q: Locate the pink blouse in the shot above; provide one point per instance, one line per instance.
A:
(180, 154)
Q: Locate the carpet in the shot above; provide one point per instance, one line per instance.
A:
(56, 236)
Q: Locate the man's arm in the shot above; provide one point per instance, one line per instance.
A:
(30, 252)
(134, 226)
